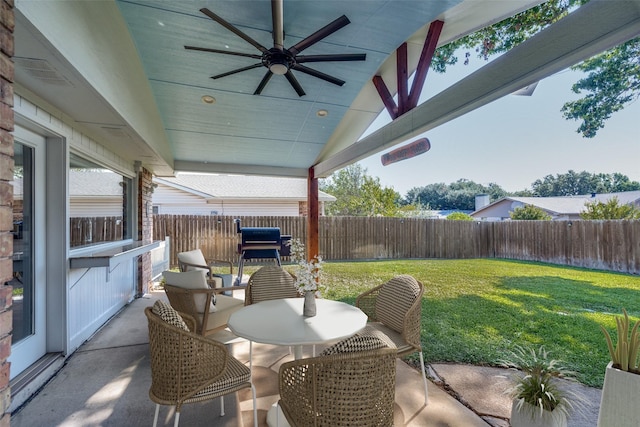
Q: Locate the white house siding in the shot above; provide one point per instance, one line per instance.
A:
(92, 295)
(165, 195)
(95, 207)
(253, 208)
(497, 212)
(173, 201)
(95, 295)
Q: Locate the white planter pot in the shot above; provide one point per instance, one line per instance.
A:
(530, 416)
(619, 403)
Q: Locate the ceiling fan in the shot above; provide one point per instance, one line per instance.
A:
(278, 59)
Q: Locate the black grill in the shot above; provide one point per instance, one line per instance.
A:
(261, 243)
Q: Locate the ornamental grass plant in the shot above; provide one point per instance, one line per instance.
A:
(536, 383)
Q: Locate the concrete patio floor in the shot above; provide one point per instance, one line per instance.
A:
(106, 383)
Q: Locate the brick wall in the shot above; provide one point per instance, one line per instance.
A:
(145, 228)
(6, 200)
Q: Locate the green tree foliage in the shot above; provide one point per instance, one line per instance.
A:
(613, 79)
(460, 216)
(459, 195)
(611, 209)
(530, 213)
(576, 183)
(359, 194)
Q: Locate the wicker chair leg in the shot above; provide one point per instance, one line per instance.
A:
(176, 420)
(424, 379)
(155, 416)
(222, 406)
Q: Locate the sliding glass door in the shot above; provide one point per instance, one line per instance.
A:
(29, 262)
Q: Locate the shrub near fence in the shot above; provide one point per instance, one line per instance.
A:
(603, 245)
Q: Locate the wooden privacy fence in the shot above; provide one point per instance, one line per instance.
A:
(88, 230)
(604, 245)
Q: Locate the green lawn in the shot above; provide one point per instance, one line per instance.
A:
(475, 311)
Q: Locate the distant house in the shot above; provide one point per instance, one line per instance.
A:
(232, 195)
(92, 193)
(560, 208)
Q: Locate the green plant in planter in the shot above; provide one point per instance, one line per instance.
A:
(536, 387)
(625, 354)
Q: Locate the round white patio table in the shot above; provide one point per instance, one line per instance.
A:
(280, 322)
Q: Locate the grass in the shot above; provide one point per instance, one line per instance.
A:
(476, 311)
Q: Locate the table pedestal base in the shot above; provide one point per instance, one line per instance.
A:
(275, 417)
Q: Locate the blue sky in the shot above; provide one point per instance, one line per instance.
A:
(514, 140)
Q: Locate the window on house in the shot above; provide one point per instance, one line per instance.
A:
(99, 204)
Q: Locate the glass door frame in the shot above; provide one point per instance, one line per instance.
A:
(51, 255)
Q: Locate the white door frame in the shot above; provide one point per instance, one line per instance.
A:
(50, 253)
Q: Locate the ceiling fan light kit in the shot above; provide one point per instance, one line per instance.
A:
(279, 60)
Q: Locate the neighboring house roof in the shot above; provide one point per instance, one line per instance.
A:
(566, 205)
(94, 183)
(85, 183)
(242, 187)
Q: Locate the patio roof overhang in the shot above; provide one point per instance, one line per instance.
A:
(125, 77)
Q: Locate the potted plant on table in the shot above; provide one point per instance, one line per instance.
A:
(539, 398)
(308, 276)
(619, 402)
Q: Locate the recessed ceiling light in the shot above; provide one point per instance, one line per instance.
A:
(161, 23)
(208, 99)
(322, 113)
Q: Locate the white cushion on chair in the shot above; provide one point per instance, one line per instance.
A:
(192, 257)
(195, 279)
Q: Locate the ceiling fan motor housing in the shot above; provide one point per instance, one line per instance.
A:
(278, 61)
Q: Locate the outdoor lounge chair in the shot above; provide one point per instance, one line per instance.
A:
(351, 383)
(195, 260)
(190, 293)
(395, 308)
(186, 367)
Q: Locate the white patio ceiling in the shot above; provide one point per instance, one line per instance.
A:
(131, 84)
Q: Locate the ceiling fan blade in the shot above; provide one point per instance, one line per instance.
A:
(277, 18)
(233, 29)
(294, 83)
(239, 70)
(263, 82)
(328, 58)
(318, 74)
(224, 52)
(319, 35)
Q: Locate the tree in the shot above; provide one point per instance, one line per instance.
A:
(611, 209)
(457, 195)
(573, 183)
(359, 194)
(614, 75)
(530, 213)
(613, 82)
(460, 216)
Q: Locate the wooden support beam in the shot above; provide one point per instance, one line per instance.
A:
(313, 216)
(402, 74)
(428, 50)
(409, 100)
(386, 96)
